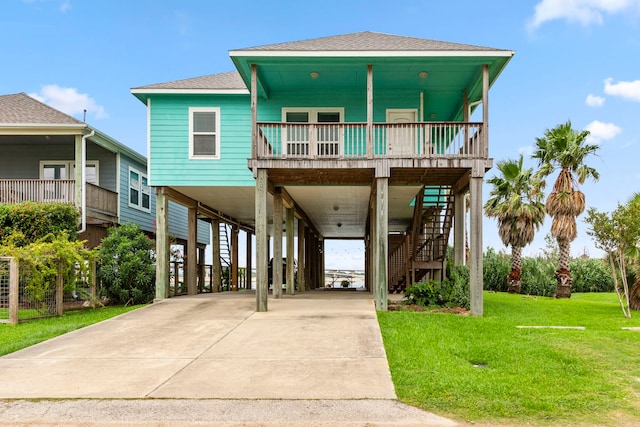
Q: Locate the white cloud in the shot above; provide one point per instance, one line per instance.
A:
(65, 6)
(600, 131)
(586, 12)
(526, 150)
(628, 90)
(594, 101)
(68, 100)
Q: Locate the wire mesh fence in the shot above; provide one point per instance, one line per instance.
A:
(22, 299)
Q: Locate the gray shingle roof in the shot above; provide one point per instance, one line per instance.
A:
(368, 41)
(229, 80)
(20, 108)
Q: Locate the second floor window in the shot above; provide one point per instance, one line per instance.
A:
(204, 133)
(139, 196)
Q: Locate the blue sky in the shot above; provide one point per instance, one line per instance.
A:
(575, 60)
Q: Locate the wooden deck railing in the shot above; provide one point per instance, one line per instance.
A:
(57, 191)
(37, 190)
(102, 200)
(388, 140)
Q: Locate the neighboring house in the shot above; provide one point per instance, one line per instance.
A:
(359, 136)
(41, 147)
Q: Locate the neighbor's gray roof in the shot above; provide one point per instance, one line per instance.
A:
(229, 80)
(368, 41)
(20, 108)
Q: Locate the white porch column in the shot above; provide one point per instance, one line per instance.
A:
(290, 255)
(77, 175)
(262, 242)
(162, 245)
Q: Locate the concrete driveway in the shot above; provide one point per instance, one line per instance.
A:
(313, 347)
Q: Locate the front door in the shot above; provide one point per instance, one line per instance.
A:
(401, 137)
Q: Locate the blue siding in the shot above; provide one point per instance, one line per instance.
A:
(147, 220)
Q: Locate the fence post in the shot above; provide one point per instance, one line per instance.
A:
(59, 290)
(14, 291)
(92, 283)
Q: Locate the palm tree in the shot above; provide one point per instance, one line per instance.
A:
(516, 202)
(566, 149)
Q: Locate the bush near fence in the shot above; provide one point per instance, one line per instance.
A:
(37, 220)
(46, 268)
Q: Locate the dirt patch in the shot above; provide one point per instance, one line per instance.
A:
(400, 306)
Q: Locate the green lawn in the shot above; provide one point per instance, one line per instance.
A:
(521, 376)
(16, 337)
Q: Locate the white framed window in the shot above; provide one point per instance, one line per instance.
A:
(139, 195)
(204, 132)
(65, 169)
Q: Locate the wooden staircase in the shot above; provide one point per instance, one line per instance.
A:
(420, 253)
(225, 256)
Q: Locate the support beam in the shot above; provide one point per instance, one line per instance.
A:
(201, 269)
(475, 246)
(301, 256)
(234, 257)
(215, 255)
(162, 244)
(192, 252)
(290, 255)
(381, 242)
(276, 267)
(459, 229)
(370, 111)
(249, 258)
(262, 287)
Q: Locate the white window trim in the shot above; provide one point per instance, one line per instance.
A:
(313, 118)
(140, 192)
(69, 166)
(312, 112)
(216, 110)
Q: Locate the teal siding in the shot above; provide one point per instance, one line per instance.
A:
(170, 163)
(170, 142)
(353, 102)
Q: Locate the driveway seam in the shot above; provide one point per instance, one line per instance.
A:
(193, 360)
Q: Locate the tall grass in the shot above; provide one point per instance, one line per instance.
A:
(484, 369)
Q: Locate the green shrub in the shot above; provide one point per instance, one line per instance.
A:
(457, 285)
(538, 276)
(425, 294)
(591, 275)
(41, 261)
(127, 265)
(37, 220)
(495, 269)
(453, 291)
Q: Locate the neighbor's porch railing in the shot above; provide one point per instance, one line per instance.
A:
(37, 190)
(57, 191)
(388, 140)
